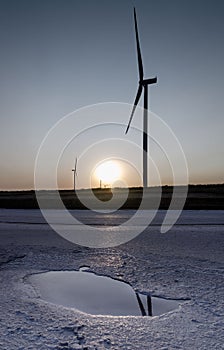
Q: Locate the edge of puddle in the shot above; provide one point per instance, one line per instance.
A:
(87, 269)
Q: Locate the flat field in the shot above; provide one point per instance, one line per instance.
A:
(186, 264)
(207, 197)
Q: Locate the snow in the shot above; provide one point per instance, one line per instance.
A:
(185, 263)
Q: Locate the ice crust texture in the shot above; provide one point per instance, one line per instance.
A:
(186, 263)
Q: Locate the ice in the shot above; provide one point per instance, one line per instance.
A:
(186, 262)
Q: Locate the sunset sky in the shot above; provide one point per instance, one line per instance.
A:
(58, 56)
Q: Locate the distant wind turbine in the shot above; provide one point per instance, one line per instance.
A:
(75, 172)
(143, 84)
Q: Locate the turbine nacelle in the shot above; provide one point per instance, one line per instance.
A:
(149, 81)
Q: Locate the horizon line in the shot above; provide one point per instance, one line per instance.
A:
(109, 188)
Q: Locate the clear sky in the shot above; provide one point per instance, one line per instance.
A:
(61, 55)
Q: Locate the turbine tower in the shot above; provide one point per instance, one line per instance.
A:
(143, 84)
(75, 171)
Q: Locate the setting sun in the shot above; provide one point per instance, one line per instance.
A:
(108, 172)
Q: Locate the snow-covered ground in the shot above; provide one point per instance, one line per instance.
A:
(185, 263)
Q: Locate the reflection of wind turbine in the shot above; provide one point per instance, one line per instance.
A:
(141, 306)
(149, 305)
(75, 171)
(143, 83)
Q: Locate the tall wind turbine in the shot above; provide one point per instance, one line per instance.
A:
(75, 171)
(143, 84)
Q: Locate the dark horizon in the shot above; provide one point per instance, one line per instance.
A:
(199, 197)
(106, 188)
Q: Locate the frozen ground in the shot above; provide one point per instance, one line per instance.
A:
(185, 263)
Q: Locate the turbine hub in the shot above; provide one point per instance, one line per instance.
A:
(148, 81)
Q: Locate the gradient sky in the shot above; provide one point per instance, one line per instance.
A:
(61, 55)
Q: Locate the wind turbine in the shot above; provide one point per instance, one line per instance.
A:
(143, 84)
(75, 171)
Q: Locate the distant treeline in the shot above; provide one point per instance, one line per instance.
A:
(209, 196)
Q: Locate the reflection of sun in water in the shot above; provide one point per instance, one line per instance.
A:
(108, 172)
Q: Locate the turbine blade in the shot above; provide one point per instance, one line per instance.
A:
(140, 66)
(75, 163)
(134, 107)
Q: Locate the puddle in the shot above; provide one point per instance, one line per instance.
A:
(98, 295)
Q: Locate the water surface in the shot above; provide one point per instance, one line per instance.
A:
(98, 295)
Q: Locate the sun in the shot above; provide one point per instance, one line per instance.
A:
(108, 172)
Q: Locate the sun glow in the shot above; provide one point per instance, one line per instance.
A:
(108, 172)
